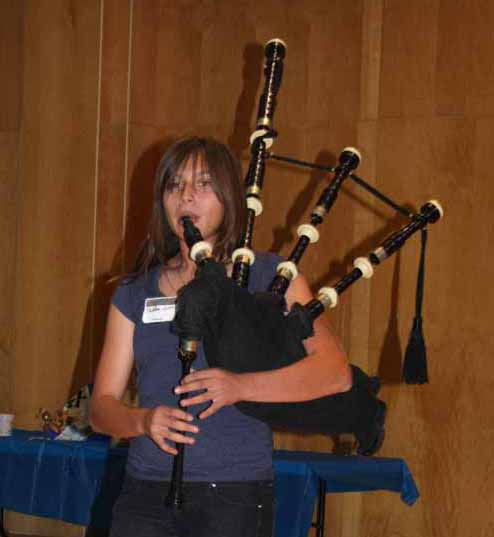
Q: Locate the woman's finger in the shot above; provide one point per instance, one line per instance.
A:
(195, 386)
(178, 414)
(210, 411)
(201, 374)
(196, 400)
(179, 425)
(160, 441)
(180, 438)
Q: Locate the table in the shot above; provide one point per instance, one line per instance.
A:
(79, 481)
(302, 476)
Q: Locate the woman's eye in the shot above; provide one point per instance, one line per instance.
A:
(173, 185)
(203, 184)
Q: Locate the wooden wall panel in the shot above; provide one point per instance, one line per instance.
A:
(432, 426)
(347, 509)
(480, 99)
(55, 213)
(437, 149)
(166, 64)
(56, 209)
(333, 60)
(10, 95)
(8, 221)
(11, 14)
(409, 434)
(111, 175)
(227, 52)
(454, 56)
(408, 53)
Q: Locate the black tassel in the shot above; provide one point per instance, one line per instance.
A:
(415, 363)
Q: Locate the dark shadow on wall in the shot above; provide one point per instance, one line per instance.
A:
(251, 75)
(318, 180)
(140, 200)
(139, 206)
(338, 268)
(390, 358)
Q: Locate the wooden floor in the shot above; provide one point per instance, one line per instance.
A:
(10, 534)
(21, 525)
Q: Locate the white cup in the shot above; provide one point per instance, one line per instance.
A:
(6, 424)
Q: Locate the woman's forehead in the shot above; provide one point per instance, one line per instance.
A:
(194, 165)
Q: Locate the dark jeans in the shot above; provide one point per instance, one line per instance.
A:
(223, 509)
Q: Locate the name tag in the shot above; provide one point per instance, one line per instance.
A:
(159, 310)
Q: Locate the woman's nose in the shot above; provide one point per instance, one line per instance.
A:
(188, 191)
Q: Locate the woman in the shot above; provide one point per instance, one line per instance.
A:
(228, 467)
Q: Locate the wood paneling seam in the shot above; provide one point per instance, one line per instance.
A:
(96, 180)
(127, 129)
(18, 190)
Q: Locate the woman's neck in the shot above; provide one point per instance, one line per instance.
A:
(182, 264)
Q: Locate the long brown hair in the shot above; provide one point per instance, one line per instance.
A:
(224, 168)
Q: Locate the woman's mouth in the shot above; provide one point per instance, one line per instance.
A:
(193, 217)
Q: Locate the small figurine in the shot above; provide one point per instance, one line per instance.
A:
(72, 421)
(46, 419)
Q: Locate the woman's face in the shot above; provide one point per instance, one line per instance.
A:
(191, 193)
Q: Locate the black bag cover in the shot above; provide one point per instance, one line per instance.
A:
(244, 332)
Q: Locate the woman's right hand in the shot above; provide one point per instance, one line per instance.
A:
(164, 422)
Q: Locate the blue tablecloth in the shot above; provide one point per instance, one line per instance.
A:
(297, 475)
(79, 481)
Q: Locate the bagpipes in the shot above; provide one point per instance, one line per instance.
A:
(244, 332)
(248, 332)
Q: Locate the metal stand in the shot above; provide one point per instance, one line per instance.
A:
(321, 509)
(3, 533)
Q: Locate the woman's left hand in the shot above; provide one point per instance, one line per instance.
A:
(221, 388)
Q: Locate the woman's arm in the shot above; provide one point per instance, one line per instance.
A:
(324, 371)
(108, 414)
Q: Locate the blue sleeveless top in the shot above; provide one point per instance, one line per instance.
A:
(229, 446)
